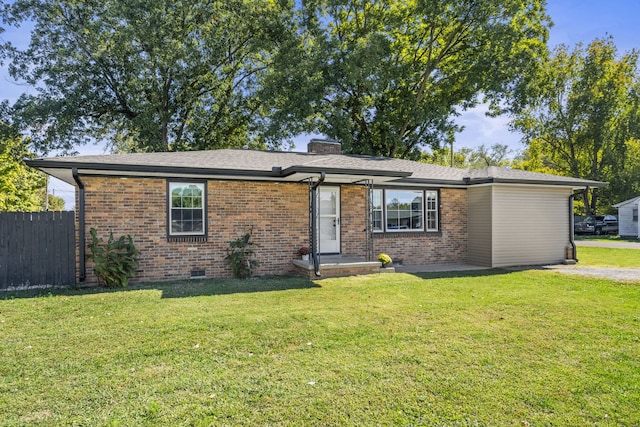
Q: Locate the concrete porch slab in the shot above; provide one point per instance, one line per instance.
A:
(338, 266)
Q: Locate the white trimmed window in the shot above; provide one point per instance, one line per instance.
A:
(376, 206)
(187, 209)
(635, 215)
(404, 210)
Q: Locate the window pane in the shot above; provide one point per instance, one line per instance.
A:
(404, 210)
(187, 208)
(376, 208)
(327, 203)
(432, 210)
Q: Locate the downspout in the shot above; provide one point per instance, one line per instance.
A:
(81, 244)
(314, 225)
(572, 242)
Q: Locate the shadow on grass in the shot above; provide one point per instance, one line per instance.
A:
(178, 289)
(461, 273)
(193, 288)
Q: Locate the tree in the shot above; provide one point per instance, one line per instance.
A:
(144, 75)
(22, 189)
(583, 115)
(442, 157)
(466, 158)
(388, 77)
(496, 155)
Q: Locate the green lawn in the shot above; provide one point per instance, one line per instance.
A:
(609, 257)
(475, 349)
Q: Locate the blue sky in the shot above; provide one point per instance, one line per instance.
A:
(574, 21)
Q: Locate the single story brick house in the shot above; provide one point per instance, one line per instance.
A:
(182, 209)
(628, 225)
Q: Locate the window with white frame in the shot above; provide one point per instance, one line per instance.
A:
(635, 215)
(376, 207)
(186, 208)
(404, 210)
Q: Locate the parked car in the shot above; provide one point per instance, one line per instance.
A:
(597, 224)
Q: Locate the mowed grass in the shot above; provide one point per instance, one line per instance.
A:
(609, 257)
(490, 348)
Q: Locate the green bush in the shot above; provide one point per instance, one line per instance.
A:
(114, 262)
(239, 254)
(384, 259)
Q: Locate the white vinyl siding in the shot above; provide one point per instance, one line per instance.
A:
(628, 219)
(479, 225)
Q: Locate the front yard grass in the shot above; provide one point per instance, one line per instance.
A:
(609, 257)
(489, 348)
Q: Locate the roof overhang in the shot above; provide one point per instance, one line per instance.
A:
(63, 171)
(574, 184)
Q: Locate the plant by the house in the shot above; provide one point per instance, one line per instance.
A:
(384, 259)
(114, 261)
(304, 252)
(239, 256)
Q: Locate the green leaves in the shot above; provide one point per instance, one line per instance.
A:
(394, 73)
(240, 256)
(146, 75)
(114, 261)
(584, 115)
(383, 77)
(22, 189)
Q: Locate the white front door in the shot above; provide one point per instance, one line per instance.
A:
(329, 220)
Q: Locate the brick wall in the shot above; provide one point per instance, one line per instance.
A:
(447, 246)
(278, 213)
(320, 146)
(353, 220)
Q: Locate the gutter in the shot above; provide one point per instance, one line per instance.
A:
(314, 225)
(81, 232)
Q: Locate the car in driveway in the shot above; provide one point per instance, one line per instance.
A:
(597, 224)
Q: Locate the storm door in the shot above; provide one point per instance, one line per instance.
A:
(329, 220)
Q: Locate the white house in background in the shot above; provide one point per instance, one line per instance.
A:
(628, 225)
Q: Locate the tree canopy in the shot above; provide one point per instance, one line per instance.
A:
(383, 77)
(144, 75)
(584, 118)
(22, 189)
(388, 77)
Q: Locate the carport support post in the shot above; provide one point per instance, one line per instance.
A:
(314, 224)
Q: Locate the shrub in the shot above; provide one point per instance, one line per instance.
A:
(114, 262)
(384, 259)
(239, 254)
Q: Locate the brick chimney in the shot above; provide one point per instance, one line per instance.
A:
(324, 146)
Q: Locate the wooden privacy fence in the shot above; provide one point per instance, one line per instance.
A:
(37, 249)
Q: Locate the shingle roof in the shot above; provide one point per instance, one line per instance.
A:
(633, 201)
(257, 163)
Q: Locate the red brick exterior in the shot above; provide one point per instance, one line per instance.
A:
(449, 245)
(278, 214)
(445, 246)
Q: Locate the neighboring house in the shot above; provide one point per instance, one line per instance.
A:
(628, 225)
(182, 209)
